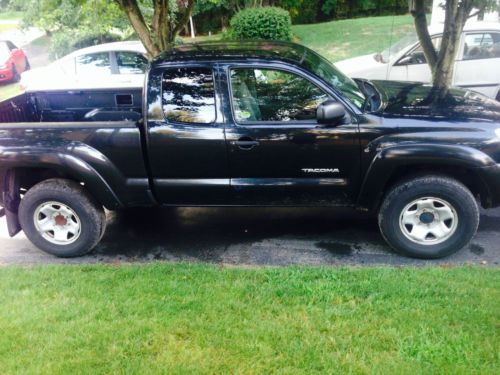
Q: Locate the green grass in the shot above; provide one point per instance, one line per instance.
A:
(200, 319)
(9, 90)
(338, 40)
(11, 15)
(5, 27)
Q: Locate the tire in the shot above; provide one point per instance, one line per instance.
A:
(15, 75)
(66, 207)
(428, 217)
(27, 65)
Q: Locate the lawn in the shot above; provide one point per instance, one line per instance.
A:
(9, 90)
(7, 26)
(11, 15)
(200, 319)
(338, 40)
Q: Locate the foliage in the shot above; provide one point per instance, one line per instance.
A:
(203, 319)
(262, 23)
(98, 16)
(64, 43)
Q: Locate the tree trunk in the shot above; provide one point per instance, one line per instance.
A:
(133, 12)
(418, 13)
(162, 32)
(442, 63)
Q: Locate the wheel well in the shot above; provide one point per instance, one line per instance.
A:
(29, 177)
(466, 176)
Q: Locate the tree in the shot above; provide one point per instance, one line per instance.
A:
(457, 12)
(168, 18)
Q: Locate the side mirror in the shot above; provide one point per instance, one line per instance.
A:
(330, 112)
(406, 60)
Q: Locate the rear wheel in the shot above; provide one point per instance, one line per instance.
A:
(27, 65)
(429, 217)
(61, 218)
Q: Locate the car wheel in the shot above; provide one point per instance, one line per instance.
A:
(27, 65)
(15, 75)
(428, 217)
(61, 218)
(498, 96)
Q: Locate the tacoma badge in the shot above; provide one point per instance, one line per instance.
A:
(320, 170)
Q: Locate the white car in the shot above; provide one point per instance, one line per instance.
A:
(110, 65)
(477, 66)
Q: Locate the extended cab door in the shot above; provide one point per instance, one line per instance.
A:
(278, 153)
(185, 136)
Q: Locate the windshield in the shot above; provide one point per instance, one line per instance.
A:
(325, 70)
(4, 53)
(397, 47)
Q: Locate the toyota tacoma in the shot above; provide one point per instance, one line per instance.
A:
(251, 124)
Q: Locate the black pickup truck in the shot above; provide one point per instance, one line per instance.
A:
(252, 124)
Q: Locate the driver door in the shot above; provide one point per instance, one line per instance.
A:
(278, 153)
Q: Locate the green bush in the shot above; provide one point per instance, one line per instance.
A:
(261, 23)
(65, 42)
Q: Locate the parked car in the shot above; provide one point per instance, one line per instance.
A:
(257, 124)
(13, 62)
(477, 66)
(110, 65)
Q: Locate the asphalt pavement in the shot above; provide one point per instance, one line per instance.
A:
(251, 237)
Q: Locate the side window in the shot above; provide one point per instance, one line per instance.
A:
(481, 46)
(417, 55)
(95, 63)
(269, 95)
(188, 95)
(131, 62)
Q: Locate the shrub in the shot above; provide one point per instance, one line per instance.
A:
(261, 23)
(65, 42)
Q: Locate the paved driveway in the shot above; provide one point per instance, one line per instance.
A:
(248, 236)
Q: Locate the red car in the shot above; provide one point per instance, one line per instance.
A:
(13, 62)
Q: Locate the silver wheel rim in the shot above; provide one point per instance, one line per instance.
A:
(57, 223)
(428, 221)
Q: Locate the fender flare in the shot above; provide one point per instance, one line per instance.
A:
(388, 160)
(12, 160)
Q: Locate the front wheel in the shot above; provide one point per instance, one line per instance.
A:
(428, 217)
(61, 218)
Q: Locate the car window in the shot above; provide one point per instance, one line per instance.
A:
(417, 56)
(481, 46)
(268, 95)
(94, 63)
(131, 62)
(188, 95)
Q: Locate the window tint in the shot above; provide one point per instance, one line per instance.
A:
(131, 62)
(95, 63)
(482, 46)
(273, 95)
(188, 95)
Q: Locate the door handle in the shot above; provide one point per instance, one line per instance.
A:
(245, 143)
